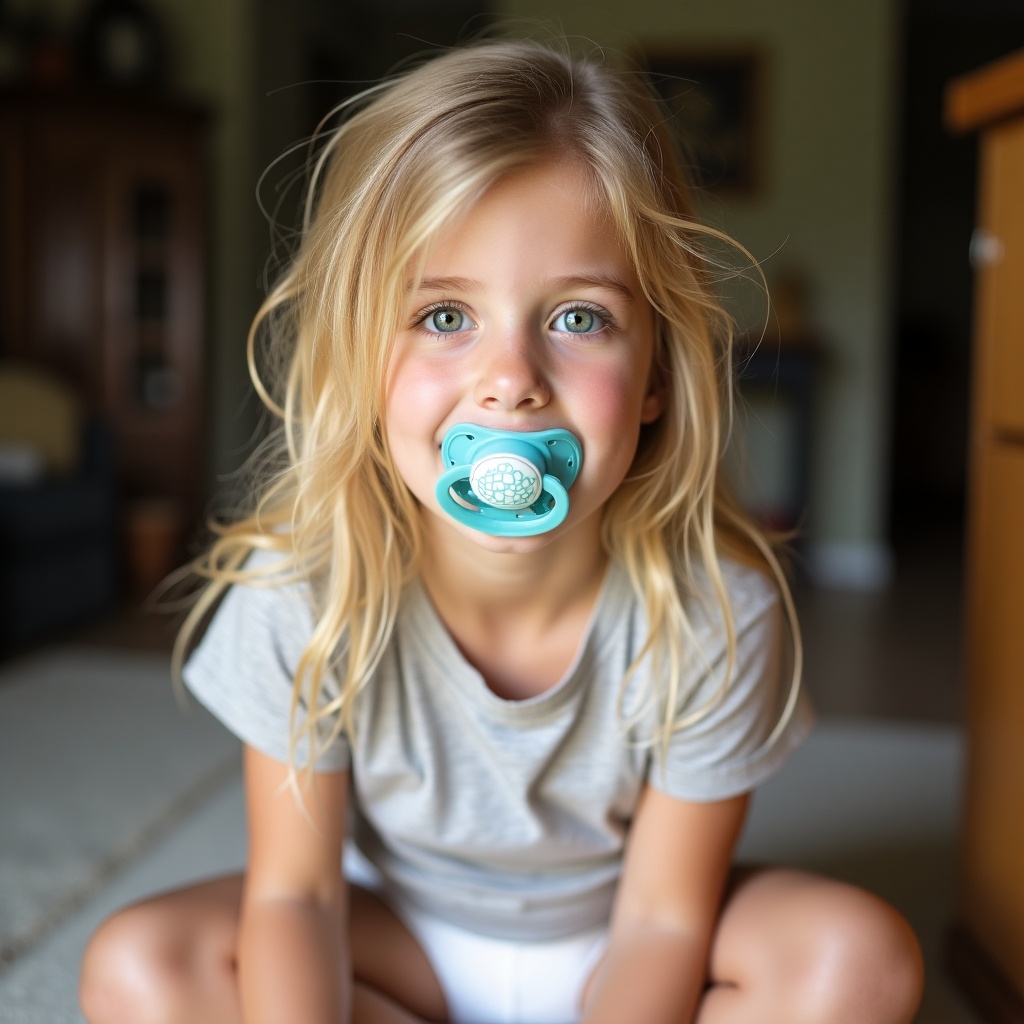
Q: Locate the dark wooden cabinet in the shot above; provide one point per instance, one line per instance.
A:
(102, 245)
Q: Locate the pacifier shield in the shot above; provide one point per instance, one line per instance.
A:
(508, 483)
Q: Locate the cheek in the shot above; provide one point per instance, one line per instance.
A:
(610, 400)
(608, 411)
(415, 393)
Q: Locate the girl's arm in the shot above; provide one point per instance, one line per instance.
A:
(677, 862)
(293, 962)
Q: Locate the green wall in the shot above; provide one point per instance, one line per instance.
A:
(215, 47)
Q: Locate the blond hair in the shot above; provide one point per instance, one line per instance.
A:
(407, 157)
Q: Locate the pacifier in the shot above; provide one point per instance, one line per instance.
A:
(505, 482)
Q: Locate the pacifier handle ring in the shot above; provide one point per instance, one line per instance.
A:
(525, 522)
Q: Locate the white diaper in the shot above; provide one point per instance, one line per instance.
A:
(498, 981)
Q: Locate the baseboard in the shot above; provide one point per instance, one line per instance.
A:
(982, 979)
(850, 565)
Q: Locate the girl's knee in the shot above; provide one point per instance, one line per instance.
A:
(131, 970)
(862, 961)
(802, 949)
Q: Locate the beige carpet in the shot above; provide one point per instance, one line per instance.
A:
(97, 761)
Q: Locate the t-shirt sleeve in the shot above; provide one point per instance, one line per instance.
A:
(726, 751)
(243, 668)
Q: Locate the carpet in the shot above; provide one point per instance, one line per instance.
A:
(97, 761)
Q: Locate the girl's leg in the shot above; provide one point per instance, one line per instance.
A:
(794, 948)
(171, 960)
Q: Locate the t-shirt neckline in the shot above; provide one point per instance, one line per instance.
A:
(420, 624)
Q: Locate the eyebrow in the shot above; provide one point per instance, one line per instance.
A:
(447, 284)
(607, 281)
(464, 284)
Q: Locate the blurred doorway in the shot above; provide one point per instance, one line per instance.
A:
(935, 215)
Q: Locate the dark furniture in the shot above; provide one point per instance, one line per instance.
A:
(102, 248)
(58, 546)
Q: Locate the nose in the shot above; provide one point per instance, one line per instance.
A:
(511, 375)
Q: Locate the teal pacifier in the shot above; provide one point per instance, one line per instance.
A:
(505, 482)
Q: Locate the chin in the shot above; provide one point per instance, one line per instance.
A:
(500, 545)
(510, 545)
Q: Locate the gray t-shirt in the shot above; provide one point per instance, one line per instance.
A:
(509, 817)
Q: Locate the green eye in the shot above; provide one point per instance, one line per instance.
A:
(446, 321)
(578, 320)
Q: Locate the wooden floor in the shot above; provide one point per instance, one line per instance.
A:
(893, 653)
(130, 627)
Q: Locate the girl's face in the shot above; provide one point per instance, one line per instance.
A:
(529, 316)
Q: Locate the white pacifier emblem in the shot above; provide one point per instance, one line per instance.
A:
(507, 483)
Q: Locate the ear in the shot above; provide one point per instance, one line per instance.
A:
(654, 400)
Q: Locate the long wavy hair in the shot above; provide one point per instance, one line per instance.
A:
(408, 156)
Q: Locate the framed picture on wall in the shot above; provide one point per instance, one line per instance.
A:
(713, 99)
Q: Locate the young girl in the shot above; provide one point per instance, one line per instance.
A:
(494, 636)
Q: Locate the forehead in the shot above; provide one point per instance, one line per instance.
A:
(550, 217)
